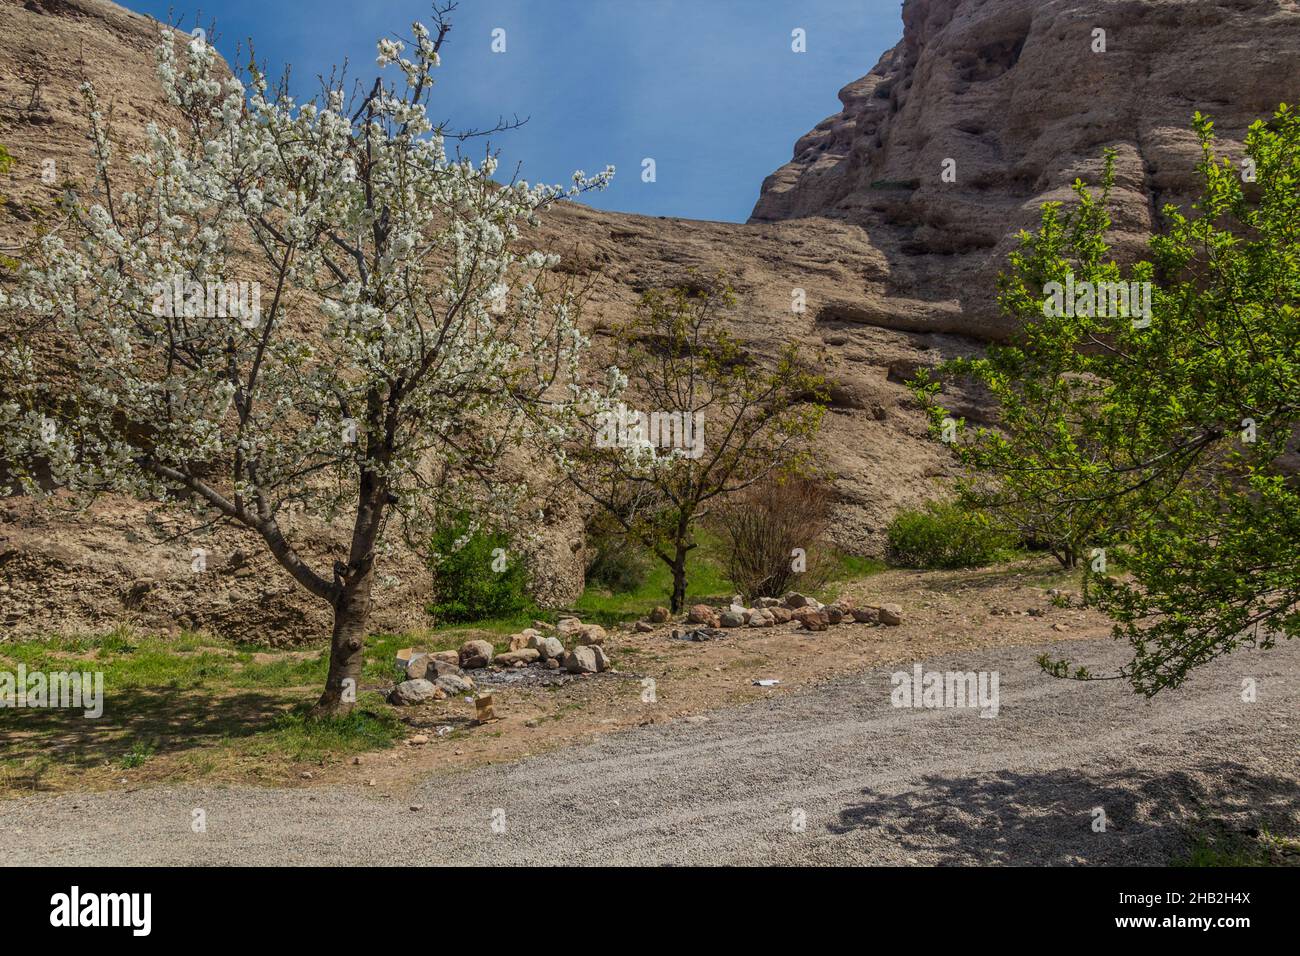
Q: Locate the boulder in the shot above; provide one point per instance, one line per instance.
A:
(644, 627)
(568, 625)
(781, 615)
(440, 668)
(476, 654)
(525, 655)
(659, 615)
(702, 614)
(891, 614)
(768, 602)
(732, 618)
(866, 615)
(795, 600)
(417, 667)
(602, 659)
(812, 622)
(520, 641)
(450, 657)
(582, 660)
(547, 647)
(833, 613)
(761, 617)
(592, 634)
(412, 692)
(453, 684)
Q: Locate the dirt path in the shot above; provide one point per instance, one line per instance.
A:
(874, 783)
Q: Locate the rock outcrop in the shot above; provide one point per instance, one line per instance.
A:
(1024, 95)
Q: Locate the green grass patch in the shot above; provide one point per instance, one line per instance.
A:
(1214, 846)
(370, 726)
(184, 708)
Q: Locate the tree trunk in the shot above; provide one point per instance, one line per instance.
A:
(347, 648)
(679, 582)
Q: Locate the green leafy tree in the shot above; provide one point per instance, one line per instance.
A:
(1164, 434)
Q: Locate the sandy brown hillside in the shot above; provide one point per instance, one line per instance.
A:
(897, 268)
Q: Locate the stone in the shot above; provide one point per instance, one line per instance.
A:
(761, 617)
(866, 615)
(781, 615)
(811, 614)
(449, 657)
(418, 667)
(568, 625)
(659, 615)
(644, 627)
(768, 602)
(795, 600)
(454, 684)
(812, 622)
(410, 692)
(582, 660)
(520, 641)
(732, 618)
(441, 668)
(547, 647)
(602, 659)
(891, 614)
(476, 654)
(552, 664)
(702, 614)
(525, 655)
(833, 613)
(592, 634)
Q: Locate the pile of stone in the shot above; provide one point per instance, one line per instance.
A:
(441, 674)
(807, 612)
(435, 676)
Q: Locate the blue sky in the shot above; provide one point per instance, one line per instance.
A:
(710, 89)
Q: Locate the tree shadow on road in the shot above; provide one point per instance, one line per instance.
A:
(1052, 818)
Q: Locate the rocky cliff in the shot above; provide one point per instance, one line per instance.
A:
(1017, 98)
(896, 266)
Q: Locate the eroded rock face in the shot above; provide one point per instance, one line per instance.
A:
(1013, 92)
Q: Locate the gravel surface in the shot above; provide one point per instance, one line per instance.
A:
(871, 783)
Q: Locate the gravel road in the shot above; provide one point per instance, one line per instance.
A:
(870, 783)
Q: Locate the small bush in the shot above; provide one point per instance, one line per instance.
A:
(944, 535)
(466, 585)
(616, 565)
(762, 529)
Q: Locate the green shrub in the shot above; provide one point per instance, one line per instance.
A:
(944, 535)
(466, 585)
(616, 565)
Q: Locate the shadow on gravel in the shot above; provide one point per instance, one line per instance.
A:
(1043, 819)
